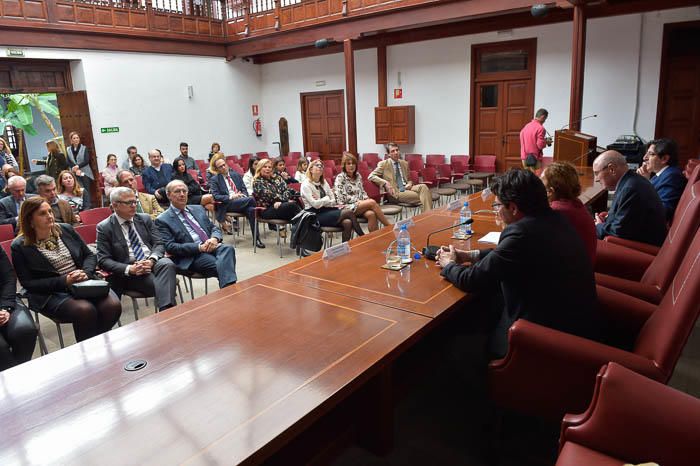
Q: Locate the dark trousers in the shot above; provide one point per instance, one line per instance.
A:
(221, 264)
(17, 338)
(243, 205)
(286, 211)
(161, 283)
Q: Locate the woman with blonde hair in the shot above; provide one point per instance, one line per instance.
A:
(271, 192)
(6, 157)
(70, 191)
(55, 161)
(350, 192)
(318, 197)
(212, 164)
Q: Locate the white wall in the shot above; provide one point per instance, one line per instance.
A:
(145, 96)
(435, 78)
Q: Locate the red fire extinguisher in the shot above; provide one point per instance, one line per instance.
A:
(257, 127)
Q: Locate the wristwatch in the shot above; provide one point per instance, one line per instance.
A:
(7, 308)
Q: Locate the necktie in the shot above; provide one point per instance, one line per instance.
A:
(197, 229)
(231, 186)
(399, 178)
(139, 208)
(135, 243)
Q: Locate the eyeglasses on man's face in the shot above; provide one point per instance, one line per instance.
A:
(129, 203)
(497, 206)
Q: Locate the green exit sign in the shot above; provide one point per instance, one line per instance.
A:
(14, 52)
(111, 129)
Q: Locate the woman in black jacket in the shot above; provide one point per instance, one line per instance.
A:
(195, 194)
(48, 259)
(17, 330)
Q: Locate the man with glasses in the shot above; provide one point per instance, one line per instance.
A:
(661, 168)
(192, 241)
(540, 270)
(10, 205)
(231, 195)
(130, 248)
(636, 212)
(146, 203)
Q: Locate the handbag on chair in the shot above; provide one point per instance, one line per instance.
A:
(90, 289)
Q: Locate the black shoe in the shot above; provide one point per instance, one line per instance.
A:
(304, 253)
(259, 244)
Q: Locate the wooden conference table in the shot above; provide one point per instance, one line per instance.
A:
(241, 375)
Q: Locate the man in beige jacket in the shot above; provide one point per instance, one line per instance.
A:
(392, 175)
(147, 203)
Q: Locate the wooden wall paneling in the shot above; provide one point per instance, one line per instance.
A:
(578, 60)
(350, 95)
(28, 75)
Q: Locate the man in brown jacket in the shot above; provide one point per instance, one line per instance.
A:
(392, 175)
(147, 203)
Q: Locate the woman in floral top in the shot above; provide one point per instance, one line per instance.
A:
(271, 192)
(349, 191)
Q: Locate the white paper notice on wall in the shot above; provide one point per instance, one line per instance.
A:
(491, 237)
(336, 251)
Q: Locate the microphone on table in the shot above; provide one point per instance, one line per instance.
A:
(578, 121)
(431, 251)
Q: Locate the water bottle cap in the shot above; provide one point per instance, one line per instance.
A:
(417, 256)
(404, 227)
(466, 203)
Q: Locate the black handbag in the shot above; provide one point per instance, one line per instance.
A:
(531, 160)
(90, 289)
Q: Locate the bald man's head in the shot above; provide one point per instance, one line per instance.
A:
(608, 168)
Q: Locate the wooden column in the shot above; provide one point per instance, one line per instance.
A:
(381, 76)
(350, 94)
(578, 60)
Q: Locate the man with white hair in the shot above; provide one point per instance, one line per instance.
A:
(637, 212)
(10, 205)
(193, 242)
(129, 246)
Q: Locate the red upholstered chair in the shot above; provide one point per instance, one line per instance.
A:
(429, 175)
(690, 168)
(194, 174)
(372, 159)
(244, 160)
(485, 163)
(632, 419)
(658, 275)
(415, 164)
(417, 159)
(95, 216)
(237, 168)
(140, 187)
(433, 160)
(413, 177)
(294, 155)
(329, 163)
(7, 232)
(288, 161)
(262, 155)
(444, 174)
(313, 155)
(203, 165)
(362, 165)
(548, 373)
(365, 172)
(328, 175)
(232, 158)
(460, 165)
(88, 233)
(372, 190)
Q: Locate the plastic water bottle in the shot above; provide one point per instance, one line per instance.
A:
(464, 215)
(403, 244)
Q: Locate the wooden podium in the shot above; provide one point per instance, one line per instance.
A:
(575, 147)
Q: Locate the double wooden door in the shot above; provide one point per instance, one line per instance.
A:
(323, 122)
(503, 109)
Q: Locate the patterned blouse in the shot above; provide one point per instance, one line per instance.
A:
(347, 190)
(59, 257)
(269, 191)
(76, 202)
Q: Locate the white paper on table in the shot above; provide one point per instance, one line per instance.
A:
(491, 237)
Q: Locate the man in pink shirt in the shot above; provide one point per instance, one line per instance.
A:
(533, 140)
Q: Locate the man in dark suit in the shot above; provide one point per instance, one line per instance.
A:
(231, 195)
(62, 211)
(661, 168)
(540, 265)
(636, 212)
(157, 176)
(193, 242)
(10, 205)
(130, 249)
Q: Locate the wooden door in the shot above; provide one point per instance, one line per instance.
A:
(323, 123)
(75, 116)
(503, 83)
(678, 113)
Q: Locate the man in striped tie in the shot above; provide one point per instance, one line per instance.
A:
(130, 248)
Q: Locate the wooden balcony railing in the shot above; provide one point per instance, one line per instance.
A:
(248, 18)
(192, 18)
